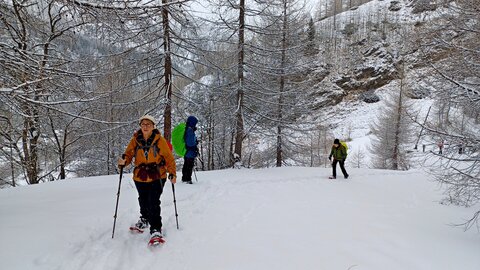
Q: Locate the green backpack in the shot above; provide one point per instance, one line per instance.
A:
(178, 139)
(344, 145)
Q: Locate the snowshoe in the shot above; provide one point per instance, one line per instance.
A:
(134, 229)
(140, 226)
(156, 239)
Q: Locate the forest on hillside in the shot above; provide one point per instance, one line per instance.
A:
(260, 75)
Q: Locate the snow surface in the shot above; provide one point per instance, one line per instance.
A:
(277, 218)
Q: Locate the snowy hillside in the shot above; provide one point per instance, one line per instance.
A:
(282, 218)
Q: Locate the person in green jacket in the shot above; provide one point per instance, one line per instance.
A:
(339, 154)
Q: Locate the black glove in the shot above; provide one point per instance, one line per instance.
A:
(330, 158)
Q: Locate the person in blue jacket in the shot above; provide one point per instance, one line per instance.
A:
(192, 149)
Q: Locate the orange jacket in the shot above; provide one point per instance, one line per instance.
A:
(158, 161)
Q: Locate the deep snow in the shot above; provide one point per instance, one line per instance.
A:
(279, 218)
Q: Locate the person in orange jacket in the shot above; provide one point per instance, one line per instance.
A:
(152, 159)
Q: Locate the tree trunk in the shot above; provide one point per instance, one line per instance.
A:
(63, 158)
(30, 151)
(397, 139)
(167, 115)
(239, 112)
(211, 136)
(282, 87)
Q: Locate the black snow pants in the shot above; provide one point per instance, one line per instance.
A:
(342, 167)
(149, 200)
(187, 169)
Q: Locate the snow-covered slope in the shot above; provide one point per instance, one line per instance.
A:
(281, 218)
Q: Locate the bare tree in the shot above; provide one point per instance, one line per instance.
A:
(34, 69)
(233, 23)
(450, 47)
(392, 133)
(278, 80)
(357, 158)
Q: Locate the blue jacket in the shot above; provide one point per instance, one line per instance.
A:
(190, 137)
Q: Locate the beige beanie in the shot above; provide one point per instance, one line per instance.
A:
(147, 117)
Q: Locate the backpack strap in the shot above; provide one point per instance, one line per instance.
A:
(146, 144)
(156, 150)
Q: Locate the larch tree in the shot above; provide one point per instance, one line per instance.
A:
(279, 97)
(392, 133)
(35, 74)
(450, 48)
(236, 21)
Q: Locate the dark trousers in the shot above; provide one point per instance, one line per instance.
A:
(342, 166)
(149, 200)
(187, 169)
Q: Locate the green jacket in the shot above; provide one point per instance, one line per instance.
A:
(338, 153)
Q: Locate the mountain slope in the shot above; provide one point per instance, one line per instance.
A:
(281, 218)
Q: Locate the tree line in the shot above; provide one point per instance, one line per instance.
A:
(75, 76)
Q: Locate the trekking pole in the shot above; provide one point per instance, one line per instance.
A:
(118, 197)
(194, 173)
(194, 169)
(175, 204)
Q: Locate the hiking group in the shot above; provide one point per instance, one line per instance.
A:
(154, 162)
